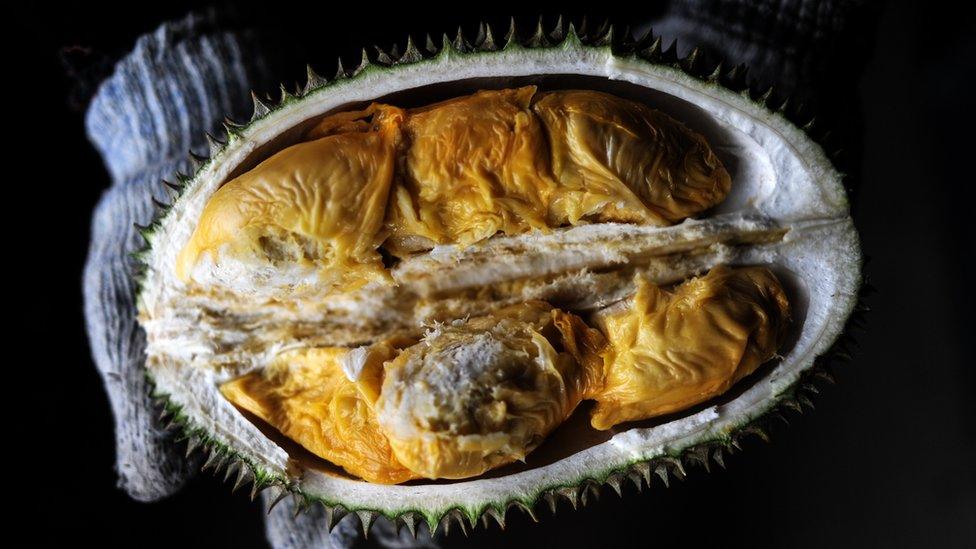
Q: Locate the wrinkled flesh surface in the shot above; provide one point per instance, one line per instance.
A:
(306, 395)
(461, 171)
(485, 388)
(673, 349)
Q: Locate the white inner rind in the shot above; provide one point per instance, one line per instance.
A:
(781, 178)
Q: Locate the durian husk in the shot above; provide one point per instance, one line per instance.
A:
(253, 464)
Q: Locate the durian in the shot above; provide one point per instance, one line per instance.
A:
(423, 270)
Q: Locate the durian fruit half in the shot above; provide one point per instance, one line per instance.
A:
(344, 300)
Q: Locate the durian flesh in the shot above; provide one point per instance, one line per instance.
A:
(496, 162)
(476, 394)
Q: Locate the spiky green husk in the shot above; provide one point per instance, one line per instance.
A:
(649, 49)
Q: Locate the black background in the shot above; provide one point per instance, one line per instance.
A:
(886, 460)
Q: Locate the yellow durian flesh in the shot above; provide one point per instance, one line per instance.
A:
(618, 160)
(479, 394)
(457, 172)
(509, 161)
(306, 395)
(320, 203)
(473, 166)
(669, 350)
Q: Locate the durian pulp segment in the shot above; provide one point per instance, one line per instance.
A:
(510, 161)
(673, 349)
(306, 395)
(315, 208)
(617, 160)
(474, 166)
